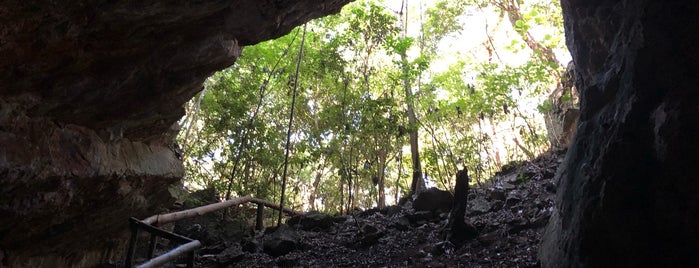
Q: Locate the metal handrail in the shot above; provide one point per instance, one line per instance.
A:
(189, 245)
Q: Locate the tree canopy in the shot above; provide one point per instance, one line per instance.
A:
(380, 86)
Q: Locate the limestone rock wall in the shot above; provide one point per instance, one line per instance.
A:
(90, 92)
(628, 189)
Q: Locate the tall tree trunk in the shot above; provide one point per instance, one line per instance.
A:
(316, 182)
(291, 121)
(438, 148)
(418, 183)
(192, 121)
(382, 175)
(348, 170)
(498, 162)
(341, 186)
(399, 160)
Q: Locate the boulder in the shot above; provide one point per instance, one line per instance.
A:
(249, 245)
(433, 199)
(478, 206)
(312, 221)
(281, 241)
(370, 235)
(340, 218)
(421, 217)
(497, 194)
(230, 255)
(402, 224)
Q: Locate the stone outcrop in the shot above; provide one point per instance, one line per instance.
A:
(90, 92)
(628, 189)
(562, 112)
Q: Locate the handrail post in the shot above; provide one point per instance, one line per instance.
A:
(132, 244)
(190, 261)
(153, 243)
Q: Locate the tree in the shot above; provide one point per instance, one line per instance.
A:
(366, 89)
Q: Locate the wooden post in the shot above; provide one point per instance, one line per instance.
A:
(259, 224)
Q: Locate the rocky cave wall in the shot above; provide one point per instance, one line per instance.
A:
(90, 92)
(628, 193)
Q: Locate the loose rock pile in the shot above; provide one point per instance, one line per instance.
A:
(509, 216)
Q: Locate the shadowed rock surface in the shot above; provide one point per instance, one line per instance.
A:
(90, 92)
(628, 189)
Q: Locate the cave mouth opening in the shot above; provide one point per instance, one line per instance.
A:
(91, 91)
(350, 135)
(511, 100)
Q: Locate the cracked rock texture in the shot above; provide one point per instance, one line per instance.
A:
(627, 193)
(90, 92)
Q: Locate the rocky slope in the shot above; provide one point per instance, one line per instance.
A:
(509, 215)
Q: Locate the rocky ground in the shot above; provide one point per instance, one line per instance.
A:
(509, 214)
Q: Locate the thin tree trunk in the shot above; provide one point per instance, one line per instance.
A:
(400, 169)
(511, 7)
(498, 162)
(350, 196)
(447, 138)
(193, 120)
(524, 149)
(341, 186)
(437, 149)
(418, 183)
(316, 182)
(291, 121)
(382, 192)
(244, 141)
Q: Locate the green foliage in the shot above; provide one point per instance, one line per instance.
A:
(350, 126)
(545, 106)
